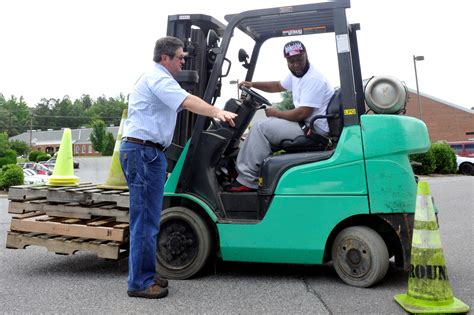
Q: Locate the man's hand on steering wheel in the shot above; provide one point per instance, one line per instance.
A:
(247, 84)
(254, 95)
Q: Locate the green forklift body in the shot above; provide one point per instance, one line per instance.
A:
(312, 199)
(305, 198)
(388, 140)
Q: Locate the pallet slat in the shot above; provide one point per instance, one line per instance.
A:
(57, 228)
(65, 246)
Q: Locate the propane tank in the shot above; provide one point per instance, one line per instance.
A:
(386, 95)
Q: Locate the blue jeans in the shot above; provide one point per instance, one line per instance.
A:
(145, 170)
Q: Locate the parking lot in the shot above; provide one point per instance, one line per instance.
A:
(36, 281)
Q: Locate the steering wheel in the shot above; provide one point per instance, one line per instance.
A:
(257, 97)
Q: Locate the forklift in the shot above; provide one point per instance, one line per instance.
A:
(349, 200)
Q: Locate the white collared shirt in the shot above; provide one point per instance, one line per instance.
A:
(153, 105)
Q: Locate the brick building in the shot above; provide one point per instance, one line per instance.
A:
(445, 121)
(49, 140)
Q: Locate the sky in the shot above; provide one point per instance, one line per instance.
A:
(53, 48)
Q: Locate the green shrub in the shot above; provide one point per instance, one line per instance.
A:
(42, 157)
(427, 160)
(8, 157)
(445, 158)
(33, 155)
(439, 159)
(11, 175)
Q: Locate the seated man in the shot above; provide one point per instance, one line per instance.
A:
(311, 95)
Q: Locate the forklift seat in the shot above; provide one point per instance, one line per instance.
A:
(275, 166)
(303, 149)
(335, 121)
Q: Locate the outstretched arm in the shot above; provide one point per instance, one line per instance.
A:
(198, 106)
(267, 86)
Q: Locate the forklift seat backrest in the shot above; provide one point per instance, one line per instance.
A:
(335, 108)
(335, 122)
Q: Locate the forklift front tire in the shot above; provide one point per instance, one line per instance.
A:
(184, 243)
(360, 256)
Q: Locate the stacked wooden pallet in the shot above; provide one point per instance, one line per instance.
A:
(69, 219)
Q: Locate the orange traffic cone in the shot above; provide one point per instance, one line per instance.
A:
(429, 290)
(116, 178)
(63, 173)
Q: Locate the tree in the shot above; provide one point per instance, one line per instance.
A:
(108, 109)
(110, 145)
(4, 144)
(287, 101)
(86, 101)
(98, 135)
(43, 115)
(15, 115)
(63, 111)
(20, 147)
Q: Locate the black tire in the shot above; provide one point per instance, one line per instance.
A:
(466, 169)
(360, 256)
(184, 243)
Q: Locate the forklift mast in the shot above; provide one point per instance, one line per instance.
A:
(206, 59)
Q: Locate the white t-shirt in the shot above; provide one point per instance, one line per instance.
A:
(311, 90)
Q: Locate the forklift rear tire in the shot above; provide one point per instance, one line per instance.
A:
(360, 256)
(184, 243)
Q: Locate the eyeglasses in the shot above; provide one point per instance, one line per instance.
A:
(181, 58)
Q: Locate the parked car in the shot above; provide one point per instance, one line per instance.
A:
(33, 178)
(39, 168)
(465, 165)
(52, 161)
(463, 148)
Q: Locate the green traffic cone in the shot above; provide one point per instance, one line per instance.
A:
(116, 178)
(63, 173)
(429, 290)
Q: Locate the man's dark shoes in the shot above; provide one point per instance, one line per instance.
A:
(153, 292)
(238, 187)
(162, 282)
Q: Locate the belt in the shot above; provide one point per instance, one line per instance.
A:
(145, 142)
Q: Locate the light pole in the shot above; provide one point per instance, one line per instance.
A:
(415, 59)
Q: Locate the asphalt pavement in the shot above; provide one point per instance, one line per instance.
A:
(36, 281)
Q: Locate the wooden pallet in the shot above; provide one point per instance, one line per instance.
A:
(102, 228)
(69, 210)
(69, 219)
(66, 245)
(84, 193)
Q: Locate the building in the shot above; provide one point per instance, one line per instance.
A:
(49, 140)
(445, 121)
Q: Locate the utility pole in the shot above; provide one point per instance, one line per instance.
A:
(31, 131)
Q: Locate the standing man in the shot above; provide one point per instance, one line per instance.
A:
(311, 96)
(153, 105)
